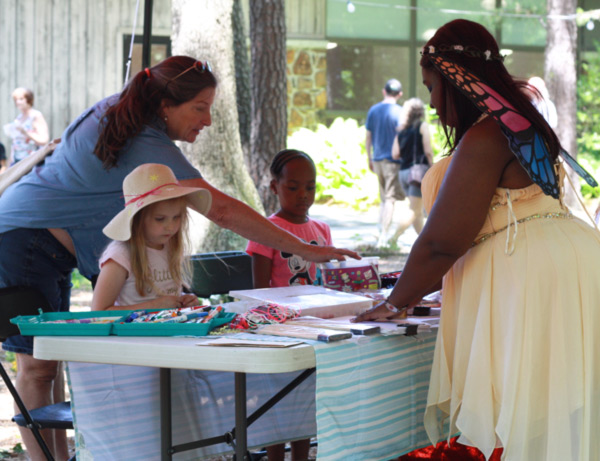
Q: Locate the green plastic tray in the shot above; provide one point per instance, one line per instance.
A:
(36, 325)
(171, 329)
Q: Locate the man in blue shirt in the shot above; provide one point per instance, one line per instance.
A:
(382, 122)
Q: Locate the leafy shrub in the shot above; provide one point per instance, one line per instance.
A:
(588, 120)
(343, 174)
(79, 282)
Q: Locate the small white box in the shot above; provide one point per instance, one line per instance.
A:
(316, 301)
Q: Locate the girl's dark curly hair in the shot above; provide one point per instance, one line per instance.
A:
(141, 99)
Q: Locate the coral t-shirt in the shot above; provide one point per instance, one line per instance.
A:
(288, 269)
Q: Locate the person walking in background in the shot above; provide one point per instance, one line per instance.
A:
(542, 102)
(412, 147)
(29, 130)
(382, 123)
(293, 180)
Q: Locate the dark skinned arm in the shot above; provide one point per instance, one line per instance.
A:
(261, 271)
(456, 218)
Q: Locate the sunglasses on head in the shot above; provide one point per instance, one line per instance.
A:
(199, 66)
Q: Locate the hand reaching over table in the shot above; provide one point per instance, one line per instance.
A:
(381, 312)
(327, 253)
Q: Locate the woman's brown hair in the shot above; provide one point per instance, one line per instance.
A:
(141, 99)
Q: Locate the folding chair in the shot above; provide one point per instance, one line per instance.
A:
(219, 273)
(16, 301)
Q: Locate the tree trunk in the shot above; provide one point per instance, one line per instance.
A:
(269, 93)
(204, 30)
(561, 78)
(242, 77)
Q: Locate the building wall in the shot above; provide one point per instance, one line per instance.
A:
(68, 52)
(306, 86)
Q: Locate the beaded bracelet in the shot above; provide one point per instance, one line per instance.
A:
(390, 307)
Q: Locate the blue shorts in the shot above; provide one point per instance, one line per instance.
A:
(411, 189)
(33, 257)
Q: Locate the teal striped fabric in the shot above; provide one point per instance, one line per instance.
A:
(371, 394)
(370, 399)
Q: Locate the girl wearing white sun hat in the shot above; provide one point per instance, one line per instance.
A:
(145, 265)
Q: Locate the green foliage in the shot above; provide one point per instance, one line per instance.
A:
(438, 138)
(588, 120)
(591, 162)
(11, 358)
(80, 282)
(343, 174)
(13, 452)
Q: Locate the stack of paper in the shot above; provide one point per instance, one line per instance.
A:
(316, 301)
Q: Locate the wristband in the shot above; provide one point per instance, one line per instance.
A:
(390, 307)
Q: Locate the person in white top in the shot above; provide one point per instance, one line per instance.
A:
(145, 265)
(29, 130)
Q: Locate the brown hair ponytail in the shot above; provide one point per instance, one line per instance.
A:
(141, 99)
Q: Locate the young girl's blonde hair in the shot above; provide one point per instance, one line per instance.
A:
(178, 249)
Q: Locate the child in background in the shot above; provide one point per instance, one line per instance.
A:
(144, 267)
(293, 180)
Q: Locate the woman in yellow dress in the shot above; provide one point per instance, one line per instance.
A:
(517, 359)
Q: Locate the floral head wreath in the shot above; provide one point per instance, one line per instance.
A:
(468, 50)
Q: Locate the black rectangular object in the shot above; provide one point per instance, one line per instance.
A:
(220, 272)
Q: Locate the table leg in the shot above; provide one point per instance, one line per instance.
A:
(241, 425)
(165, 415)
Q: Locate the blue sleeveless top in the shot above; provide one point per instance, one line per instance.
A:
(72, 191)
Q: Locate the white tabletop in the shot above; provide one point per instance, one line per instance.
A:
(173, 352)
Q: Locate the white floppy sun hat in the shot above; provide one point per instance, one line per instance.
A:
(147, 184)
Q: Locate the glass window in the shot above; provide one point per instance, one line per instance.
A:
(356, 74)
(160, 49)
(525, 64)
(433, 14)
(372, 19)
(524, 31)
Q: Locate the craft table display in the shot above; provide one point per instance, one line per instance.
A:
(369, 398)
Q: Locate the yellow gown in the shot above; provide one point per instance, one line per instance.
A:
(517, 358)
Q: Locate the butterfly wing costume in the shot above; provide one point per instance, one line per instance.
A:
(524, 140)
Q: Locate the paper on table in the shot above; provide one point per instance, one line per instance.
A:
(335, 324)
(233, 342)
(317, 334)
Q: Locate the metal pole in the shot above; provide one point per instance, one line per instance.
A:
(146, 40)
(165, 415)
(241, 427)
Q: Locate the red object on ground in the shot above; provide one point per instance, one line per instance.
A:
(449, 452)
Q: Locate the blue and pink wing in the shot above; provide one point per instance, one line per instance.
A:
(525, 142)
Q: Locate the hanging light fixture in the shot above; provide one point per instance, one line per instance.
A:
(350, 6)
(590, 25)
